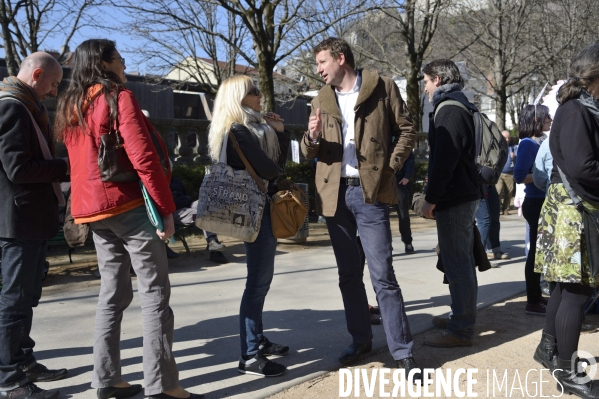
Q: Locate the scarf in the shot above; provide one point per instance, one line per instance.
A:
(92, 92)
(265, 133)
(14, 87)
(444, 90)
(590, 103)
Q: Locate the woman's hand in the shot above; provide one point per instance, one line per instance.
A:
(169, 228)
(274, 121)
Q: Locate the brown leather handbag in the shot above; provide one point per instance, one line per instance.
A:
(287, 209)
(113, 161)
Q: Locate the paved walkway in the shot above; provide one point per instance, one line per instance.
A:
(303, 309)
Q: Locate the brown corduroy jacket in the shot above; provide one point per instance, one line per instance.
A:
(384, 137)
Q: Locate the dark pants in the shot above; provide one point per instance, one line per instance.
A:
(531, 209)
(372, 220)
(565, 315)
(187, 215)
(455, 230)
(403, 212)
(22, 273)
(487, 220)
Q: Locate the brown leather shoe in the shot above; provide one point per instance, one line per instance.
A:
(443, 339)
(441, 321)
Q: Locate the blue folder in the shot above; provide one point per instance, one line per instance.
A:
(153, 214)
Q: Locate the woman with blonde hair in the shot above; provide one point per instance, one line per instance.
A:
(265, 143)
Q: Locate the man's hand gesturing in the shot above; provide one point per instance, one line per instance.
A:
(315, 125)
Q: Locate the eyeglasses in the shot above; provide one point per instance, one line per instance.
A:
(254, 91)
(120, 59)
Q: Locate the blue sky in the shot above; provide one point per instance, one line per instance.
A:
(124, 42)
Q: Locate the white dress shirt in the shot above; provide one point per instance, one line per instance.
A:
(347, 102)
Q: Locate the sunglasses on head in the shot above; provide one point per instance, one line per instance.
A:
(254, 91)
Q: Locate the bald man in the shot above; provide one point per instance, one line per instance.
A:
(29, 177)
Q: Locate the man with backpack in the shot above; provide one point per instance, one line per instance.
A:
(452, 196)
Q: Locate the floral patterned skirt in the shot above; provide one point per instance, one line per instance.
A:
(561, 248)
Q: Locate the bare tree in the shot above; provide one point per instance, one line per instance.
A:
(515, 46)
(277, 28)
(494, 36)
(26, 24)
(407, 25)
(560, 29)
(8, 12)
(176, 40)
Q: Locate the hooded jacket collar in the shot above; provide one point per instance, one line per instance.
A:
(328, 99)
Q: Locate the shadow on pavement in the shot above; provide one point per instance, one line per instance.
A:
(208, 351)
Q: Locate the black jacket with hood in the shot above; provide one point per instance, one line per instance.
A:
(452, 172)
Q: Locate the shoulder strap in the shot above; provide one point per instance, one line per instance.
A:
(452, 102)
(477, 124)
(115, 125)
(246, 163)
(568, 187)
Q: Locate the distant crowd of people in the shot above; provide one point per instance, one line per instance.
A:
(360, 131)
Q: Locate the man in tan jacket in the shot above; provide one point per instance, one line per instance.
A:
(361, 132)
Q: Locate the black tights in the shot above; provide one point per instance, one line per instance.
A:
(564, 316)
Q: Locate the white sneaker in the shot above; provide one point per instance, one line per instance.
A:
(215, 245)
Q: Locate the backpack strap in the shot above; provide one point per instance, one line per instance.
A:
(575, 199)
(478, 140)
(452, 102)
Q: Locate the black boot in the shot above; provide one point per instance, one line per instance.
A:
(546, 353)
(574, 383)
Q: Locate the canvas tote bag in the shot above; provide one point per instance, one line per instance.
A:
(231, 202)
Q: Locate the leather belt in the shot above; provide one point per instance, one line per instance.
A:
(351, 181)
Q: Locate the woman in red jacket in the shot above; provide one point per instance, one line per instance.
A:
(123, 235)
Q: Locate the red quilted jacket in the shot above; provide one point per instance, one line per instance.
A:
(89, 194)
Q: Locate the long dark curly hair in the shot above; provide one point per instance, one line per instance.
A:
(87, 71)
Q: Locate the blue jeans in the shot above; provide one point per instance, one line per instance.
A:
(260, 257)
(372, 221)
(487, 220)
(455, 230)
(22, 273)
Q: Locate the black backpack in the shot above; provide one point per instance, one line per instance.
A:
(491, 147)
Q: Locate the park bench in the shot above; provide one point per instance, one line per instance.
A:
(181, 232)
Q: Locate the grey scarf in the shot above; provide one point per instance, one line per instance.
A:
(442, 91)
(590, 103)
(265, 133)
